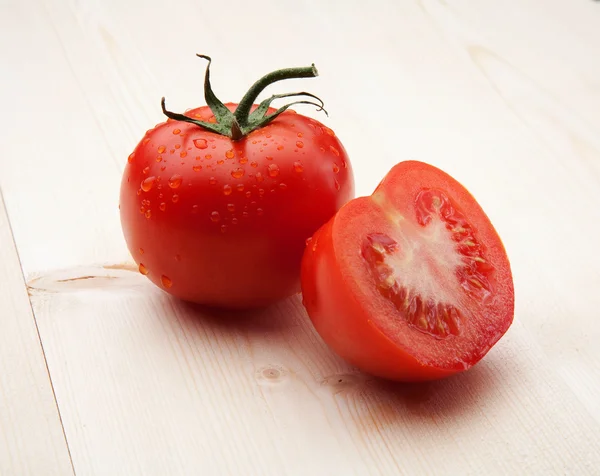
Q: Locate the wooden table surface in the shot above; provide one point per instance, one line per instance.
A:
(101, 373)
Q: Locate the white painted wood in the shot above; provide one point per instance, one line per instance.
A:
(504, 96)
(31, 436)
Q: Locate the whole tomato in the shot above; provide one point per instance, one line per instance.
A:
(217, 204)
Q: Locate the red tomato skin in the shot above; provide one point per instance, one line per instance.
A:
(346, 323)
(225, 223)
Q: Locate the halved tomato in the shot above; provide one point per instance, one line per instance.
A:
(411, 283)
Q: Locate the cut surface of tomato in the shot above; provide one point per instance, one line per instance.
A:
(412, 282)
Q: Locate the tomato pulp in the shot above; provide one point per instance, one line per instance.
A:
(411, 283)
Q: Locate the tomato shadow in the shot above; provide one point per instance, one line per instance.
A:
(274, 333)
(439, 403)
(271, 319)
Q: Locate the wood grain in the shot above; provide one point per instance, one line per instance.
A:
(31, 436)
(504, 96)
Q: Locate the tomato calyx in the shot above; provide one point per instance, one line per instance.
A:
(241, 122)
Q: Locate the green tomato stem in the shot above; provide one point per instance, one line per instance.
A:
(240, 123)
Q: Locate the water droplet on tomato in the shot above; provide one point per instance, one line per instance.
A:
(273, 170)
(269, 157)
(148, 183)
(268, 136)
(215, 217)
(230, 207)
(183, 154)
(261, 192)
(227, 189)
(220, 161)
(139, 191)
(175, 181)
(130, 158)
(177, 146)
(244, 160)
(162, 206)
(176, 131)
(208, 156)
(195, 208)
(298, 167)
(334, 150)
(145, 141)
(299, 134)
(197, 168)
(146, 170)
(237, 173)
(254, 164)
(230, 154)
(259, 211)
(336, 184)
(201, 143)
(143, 269)
(163, 168)
(223, 228)
(175, 198)
(148, 213)
(279, 147)
(161, 149)
(212, 181)
(248, 194)
(282, 186)
(259, 177)
(240, 187)
(234, 221)
(245, 215)
(159, 158)
(166, 281)
(141, 251)
(336, 169)
(299, 144)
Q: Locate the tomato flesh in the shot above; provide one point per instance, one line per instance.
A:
(411, 283)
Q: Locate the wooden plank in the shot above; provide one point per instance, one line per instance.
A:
(149, 385)
(31, 436)
(153, 386)
(57, 172)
